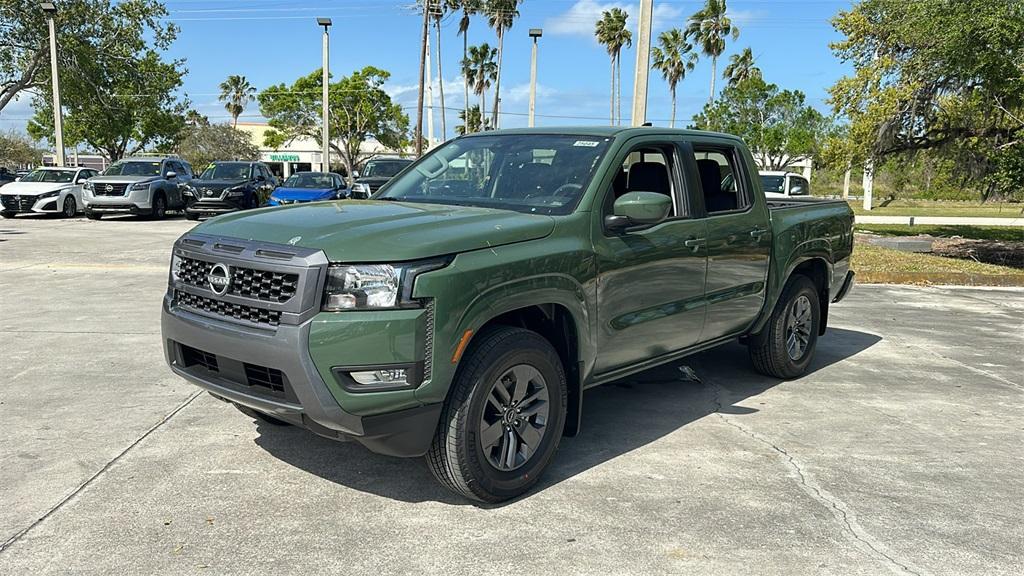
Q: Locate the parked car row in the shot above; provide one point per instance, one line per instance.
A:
(152, 185)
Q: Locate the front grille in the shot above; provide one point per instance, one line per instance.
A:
(270, 378)
(193, 357)
(18, 203)
(227, 309)
(265, 285)
(112, 189)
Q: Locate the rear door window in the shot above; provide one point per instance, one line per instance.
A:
(721, 180)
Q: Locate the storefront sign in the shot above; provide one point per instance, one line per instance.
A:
(284, 157)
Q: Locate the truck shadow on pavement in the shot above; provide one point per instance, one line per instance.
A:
(618, 418)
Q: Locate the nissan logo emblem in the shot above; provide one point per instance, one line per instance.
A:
(108, 188)
(220, 279)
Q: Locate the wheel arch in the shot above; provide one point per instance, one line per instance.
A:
(811, 259)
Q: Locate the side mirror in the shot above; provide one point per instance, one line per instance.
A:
(171, 174)
(797, 191)
(261, 178)
(639, 209)
(355, 174)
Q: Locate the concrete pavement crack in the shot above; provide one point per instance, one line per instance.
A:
(17, 536)
(970, 368)
(835, 506)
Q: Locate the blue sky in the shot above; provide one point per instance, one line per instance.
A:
(272, 41)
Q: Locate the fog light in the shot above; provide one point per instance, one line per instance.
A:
(389, 378)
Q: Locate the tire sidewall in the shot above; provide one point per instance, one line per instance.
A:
(802, 286)
(502, 484)
(64, 207)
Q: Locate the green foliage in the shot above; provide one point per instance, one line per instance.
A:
(475, 122)
(18, 150)
(673, 57)
(118, 110)
(480, 69)
(236, 93)
(611, 32)
(360, 110)
(942, 76)
(777, 124)
(95, 36)
(202, 144)
(709, 27)
(741, 67)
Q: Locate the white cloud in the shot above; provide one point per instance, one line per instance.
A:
(581, 17)
(741, 18)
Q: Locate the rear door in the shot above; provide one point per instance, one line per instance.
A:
(738, 237)
(651, 280)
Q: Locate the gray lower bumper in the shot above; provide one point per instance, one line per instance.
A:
(309, 403)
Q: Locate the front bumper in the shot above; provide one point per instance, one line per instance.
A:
(236, 361)
(213, 207)
(29, 204)
(132, 201)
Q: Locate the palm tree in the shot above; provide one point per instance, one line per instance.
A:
(480, 68)
(438, 10)
(709, 27)
(472, 121)
(501, 14)
(612, 33)
(741, 68)
(469, 8)
(236, 93)
(673, 57)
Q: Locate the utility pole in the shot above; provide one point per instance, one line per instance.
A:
(643, 63)
(423, 59)
(535, 33)
(325, 164)
(430, 99)
(58, 121)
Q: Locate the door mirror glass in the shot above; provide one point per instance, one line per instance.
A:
(642, 208)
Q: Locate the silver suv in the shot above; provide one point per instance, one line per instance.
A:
(148, 185)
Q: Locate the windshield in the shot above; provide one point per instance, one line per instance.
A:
(384, 168)
(537, 173)
(136, 168)
(313, 180)
(226, 172)
(773, 183)
(57, 176)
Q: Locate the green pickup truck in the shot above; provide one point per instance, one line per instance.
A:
(461, 312)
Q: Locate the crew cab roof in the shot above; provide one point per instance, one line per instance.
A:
(606, 132)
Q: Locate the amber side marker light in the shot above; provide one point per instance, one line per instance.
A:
(462, 346)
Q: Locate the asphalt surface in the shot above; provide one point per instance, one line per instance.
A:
(901, 452)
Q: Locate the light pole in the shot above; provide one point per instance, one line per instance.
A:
(643, 63)
(58, 121)
(535, 33)
(325, 164)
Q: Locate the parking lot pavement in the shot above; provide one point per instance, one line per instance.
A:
(901, 452)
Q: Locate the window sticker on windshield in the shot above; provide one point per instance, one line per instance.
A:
(587, 143)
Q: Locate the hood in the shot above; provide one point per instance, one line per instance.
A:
(123, 179)
(374, 231)
(303, 194)
(33, 188)
(216, 184)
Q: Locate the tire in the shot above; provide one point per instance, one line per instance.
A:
(93, 215)
(8, 214)
(191, 215)
(266, 418)
(70, 207)
(497, 361)
(159, 210)
(785, 347)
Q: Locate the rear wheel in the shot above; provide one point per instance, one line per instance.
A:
(785, 346)
(70, 207)
(503, 419)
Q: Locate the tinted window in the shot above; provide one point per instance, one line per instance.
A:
(384, 168)
(133, 168)
(799, 187)
(647, 169)
(719, 180)
(773, 183)
(538, 173)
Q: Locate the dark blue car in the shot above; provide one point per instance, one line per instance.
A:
(309, 187)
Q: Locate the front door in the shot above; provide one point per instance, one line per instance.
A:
(650, 290)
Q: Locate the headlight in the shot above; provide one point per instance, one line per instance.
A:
(88, 186)
(188, 190)
(373, 286)
(140, 186)
(360, 189)
(275, 199)
(49, 194)
(236, 191)
(175, 268)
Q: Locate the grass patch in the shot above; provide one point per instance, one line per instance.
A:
(876, 265)
(935, 208)
(999, 233)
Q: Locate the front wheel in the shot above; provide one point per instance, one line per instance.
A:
(6, 214)
(70, 207)
(785, 346)
(159, 207)
(503, 418)
(93, 215)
